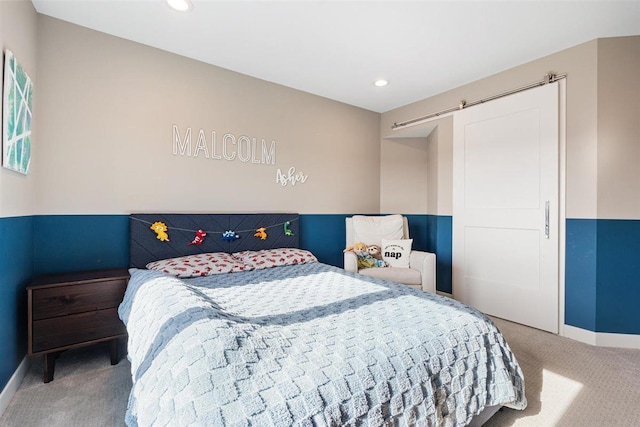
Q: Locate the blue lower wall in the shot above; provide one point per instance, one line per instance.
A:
(602, 285)
(324, 236)
(618, 277)
(439, 241)
(16, 266)
(580, 273)
(66, 243)
(602, 279)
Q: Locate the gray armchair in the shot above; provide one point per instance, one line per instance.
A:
(421, 273)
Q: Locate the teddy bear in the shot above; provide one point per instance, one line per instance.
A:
(365, 257)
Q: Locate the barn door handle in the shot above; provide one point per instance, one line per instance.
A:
(546, 219)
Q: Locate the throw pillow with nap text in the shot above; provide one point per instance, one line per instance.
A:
(397, 252)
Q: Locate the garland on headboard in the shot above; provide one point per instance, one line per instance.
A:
(161, 230)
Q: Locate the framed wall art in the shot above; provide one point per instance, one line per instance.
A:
(16, 115)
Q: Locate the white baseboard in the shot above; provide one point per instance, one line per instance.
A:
(618, 340)
(578, 334)
(602, 339)
(13, 384)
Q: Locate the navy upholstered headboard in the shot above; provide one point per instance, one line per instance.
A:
(146, 247)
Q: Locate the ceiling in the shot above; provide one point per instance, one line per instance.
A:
(337, 49)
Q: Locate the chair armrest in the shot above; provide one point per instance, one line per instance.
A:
(351, 261)
(425, 262)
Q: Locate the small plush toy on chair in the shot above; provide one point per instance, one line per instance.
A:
(367, 255)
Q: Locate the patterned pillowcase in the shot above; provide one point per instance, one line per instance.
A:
(268, 258)
(200, 265)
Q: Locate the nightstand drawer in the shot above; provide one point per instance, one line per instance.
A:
(76, 328)
(78, 298)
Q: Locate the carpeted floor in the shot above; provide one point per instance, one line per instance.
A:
(86, 391)
(567, 384)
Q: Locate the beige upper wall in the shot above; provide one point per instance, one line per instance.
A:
(415, 171)
(106, 110)
(403, 175)
(580, 64)
(441, 178)
(18, 32)
(619, 127)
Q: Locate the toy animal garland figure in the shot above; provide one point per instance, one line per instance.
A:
(287, 230)
(200, 234)
(229, 236)
(261, 233)
(161, 231)
(365, 259)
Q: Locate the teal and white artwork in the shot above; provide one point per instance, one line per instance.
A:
(16, 116)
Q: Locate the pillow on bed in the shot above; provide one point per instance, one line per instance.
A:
(267, 258)
(199, 265)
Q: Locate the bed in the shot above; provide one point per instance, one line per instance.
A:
(300, 342)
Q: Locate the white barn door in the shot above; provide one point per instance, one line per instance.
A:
(505, 207)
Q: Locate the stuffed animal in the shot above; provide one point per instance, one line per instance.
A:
(161, 231)
(365, 259)
(261, 233)
(358, 248)
(199, 238)
(376, 252)
(229, 236)
(287, 230)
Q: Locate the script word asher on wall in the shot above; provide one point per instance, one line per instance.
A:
(290, 177)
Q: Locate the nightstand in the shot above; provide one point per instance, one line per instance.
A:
(74, 310)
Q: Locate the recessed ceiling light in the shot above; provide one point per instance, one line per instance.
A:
(180, 5)
(381, 83)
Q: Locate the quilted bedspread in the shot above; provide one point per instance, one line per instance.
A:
(309, 345)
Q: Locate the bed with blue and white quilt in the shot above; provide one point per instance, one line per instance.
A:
(302, 343)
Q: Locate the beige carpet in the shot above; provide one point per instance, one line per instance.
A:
(567, 384)
(86, 392)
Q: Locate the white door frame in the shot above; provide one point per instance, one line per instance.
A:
(562, 202)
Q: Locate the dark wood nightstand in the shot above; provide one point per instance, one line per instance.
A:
(73, 310)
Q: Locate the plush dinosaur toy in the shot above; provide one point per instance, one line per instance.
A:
(261, 233)
(161, 231)
(199, 238)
